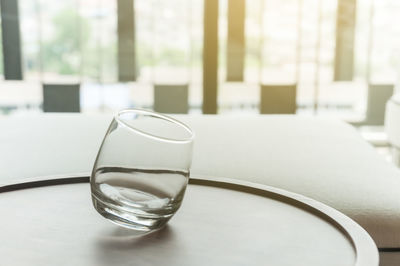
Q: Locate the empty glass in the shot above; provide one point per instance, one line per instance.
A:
(142, 169)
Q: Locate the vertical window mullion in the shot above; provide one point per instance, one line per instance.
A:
(126, 41)
(210, 57)
(236, 40)
(10, 27)
(345, 32)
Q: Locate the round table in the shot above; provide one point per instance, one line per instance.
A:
(51, 221)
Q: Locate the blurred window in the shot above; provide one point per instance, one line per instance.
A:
(285, 42)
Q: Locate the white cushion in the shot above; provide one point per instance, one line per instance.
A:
(324, 159)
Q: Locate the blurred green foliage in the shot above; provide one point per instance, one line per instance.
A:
(61, 53)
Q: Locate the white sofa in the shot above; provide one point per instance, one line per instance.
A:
(323, 159)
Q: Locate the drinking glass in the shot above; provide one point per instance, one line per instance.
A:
(142, 169)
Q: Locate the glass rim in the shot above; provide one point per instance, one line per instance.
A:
(159, 116)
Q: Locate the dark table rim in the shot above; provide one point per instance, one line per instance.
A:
(363, 245)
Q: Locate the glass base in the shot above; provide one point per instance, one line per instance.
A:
(141, 223)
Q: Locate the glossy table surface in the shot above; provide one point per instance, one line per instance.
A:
(221, 222)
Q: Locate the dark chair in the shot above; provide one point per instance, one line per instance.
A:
(378, 95)
(171, 99)
(61, 98)
(278, 99)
